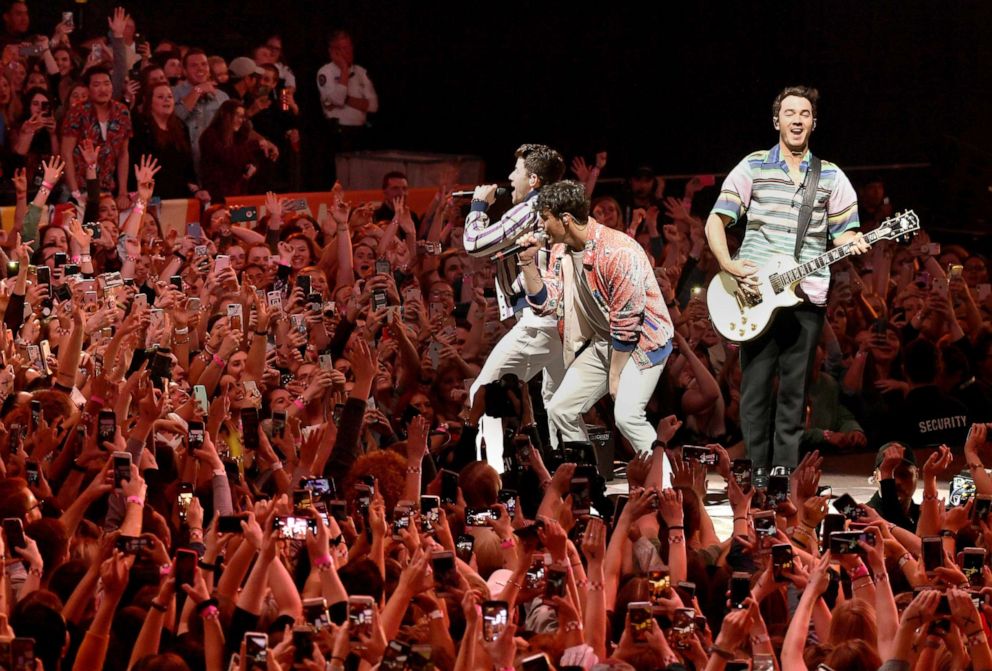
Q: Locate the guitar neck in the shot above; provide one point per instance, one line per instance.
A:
(826, 259)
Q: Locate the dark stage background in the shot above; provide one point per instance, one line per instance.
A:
(686, 88)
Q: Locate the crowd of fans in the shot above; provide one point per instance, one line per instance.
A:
(250, 445)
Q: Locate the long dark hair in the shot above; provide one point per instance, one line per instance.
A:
(222, 125)
(174, 133)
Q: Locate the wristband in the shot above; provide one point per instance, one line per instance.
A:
(137, 500)
(165, 569)
(179, 255)
(574, 625)
(181, 331)
(413, 469)
(77, 467)
(507, 543)
(676, 528)
(860, 571)
(207, 566)
(905, 558)
(206, 603)
(262, 334)
(220, 362)
(595, 586)
(210, 613)
(322, 561)
(155, 605)
(436, 615)
(35, 571)
(97, 399)
(947, 533)
(299, 403)
(929, 497)
(720, 652)
(47, 185)
(89, 166)
(276, 466)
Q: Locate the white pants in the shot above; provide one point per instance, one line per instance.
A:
(532, 345)
(587, 380)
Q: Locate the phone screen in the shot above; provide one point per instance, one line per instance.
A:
(185, 567)
(495, 617)
(933, 553)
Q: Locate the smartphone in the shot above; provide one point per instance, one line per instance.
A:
(641, 619)
(933, 553)
(338, 509)
(196, 436)
(184, 499)
(683, 628)
(778, 490)
(954, 271)
(848, 507)
(394, 658)
(244, 214)
(660, 585)
(535, 574)
(972, 561)
(740, 589)
(303, 282)
(64, 293)
(31, 472)
(741, 469)
(360, 612)
(832, 523)
(13, 531)
(686, 591)
(382, 267)
(846, 542)
(122, 468)
(429, 506)
(315, 612)
(44, 275)
(764, 522)
(703, 455)
(781, 561)
(230, 524)
(256, 650)
(185, 567)
(982, 507)
(22, 654)
(221, 261)
(477, 517)
(35, 414)
(495, 617)
(449, 486)
(132, 545)
(294, 527)
(581, 491)
(249, 427)
(200, 397)
(939, 283)
(464, 546)
(319, 487)
(619, 505)
(508, 497)
(401, 520)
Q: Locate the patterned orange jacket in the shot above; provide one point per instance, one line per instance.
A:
(622, 281)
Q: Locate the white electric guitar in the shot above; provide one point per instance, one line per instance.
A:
(740, 315)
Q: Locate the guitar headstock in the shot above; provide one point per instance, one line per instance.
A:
(900, 226)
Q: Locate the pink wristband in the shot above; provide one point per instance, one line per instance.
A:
(97, 399)
(321, 562)
(860, 572)
(137, 500)
(48, 185)
(220, 362)
(209, 612)
(299, 403)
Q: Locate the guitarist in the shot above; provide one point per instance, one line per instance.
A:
(771, 186)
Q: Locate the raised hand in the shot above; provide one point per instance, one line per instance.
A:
(117, 22)
(53, 169)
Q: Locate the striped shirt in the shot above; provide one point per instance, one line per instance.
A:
(761, 187)
(483, 238)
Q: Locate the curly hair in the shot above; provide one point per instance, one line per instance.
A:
(561, 197)
(390, 470)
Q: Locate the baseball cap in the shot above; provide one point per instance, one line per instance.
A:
(643, 172)
(907, 455)
(242, 66)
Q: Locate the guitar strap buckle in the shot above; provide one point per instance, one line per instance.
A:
(809, 196)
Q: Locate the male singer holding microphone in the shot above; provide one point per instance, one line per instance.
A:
(600, 284)
(533, 343)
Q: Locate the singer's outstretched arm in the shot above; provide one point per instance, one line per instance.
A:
(484, 238)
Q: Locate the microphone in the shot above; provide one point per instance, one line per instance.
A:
(501, 192)
(510, 251)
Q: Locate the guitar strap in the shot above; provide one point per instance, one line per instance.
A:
(806, 209)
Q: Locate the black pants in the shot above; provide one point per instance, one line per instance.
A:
(787, 349)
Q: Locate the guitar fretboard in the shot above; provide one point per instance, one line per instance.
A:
(908, 223)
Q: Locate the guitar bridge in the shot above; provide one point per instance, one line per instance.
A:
(746, 299)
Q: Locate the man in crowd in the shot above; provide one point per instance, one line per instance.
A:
(107, 124)
(617, 331)
(347, 96)
(197, 97)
